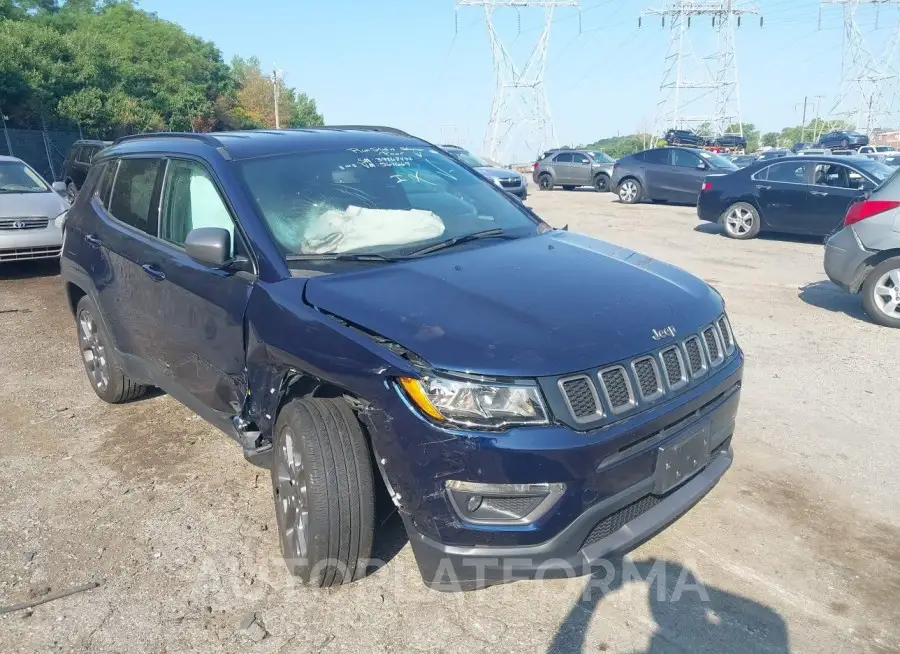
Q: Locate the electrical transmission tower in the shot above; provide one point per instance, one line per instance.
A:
(520, 107)
(869, 82)
(689, 77)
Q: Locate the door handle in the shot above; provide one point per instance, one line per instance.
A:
(822, 193)
(156, 274)
(763, 187)
(92, 240)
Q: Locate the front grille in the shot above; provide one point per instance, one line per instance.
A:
(22, 254)
(725, 333)
(17, 224)
(695, 356)
(581, 397)
(511, 182)
(617, 389)
(712, 345)
(676, 375)
(648, 378)
(615, 521)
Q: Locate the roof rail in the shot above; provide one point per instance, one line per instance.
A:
(203, 138)
(366, 128)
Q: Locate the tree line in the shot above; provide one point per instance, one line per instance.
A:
(113, 69)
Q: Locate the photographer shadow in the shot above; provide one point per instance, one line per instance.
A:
(689, 616)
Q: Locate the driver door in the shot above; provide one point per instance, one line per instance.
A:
(686, 176)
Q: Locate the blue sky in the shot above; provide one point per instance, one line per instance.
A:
(403, 63)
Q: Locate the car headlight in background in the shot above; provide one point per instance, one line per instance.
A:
(497, 181)
(465, 403)
(60, 220)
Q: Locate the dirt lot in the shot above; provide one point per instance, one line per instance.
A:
(798, 549)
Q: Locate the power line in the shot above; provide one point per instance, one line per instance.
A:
(520, 106)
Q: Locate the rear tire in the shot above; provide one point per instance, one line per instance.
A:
(881, 293)
(740, 221)
(630, 191)
(601, 183)
(101, 362)
(324, 491)
(545, 182)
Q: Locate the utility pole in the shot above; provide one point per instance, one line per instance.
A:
(803, 121)
(688, 77)
(869, 84)
(275, 72)
(520, 110)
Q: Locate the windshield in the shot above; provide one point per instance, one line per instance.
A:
(876, 169)
(376, 200)
(17, 177)
(600, 157)
(717, 161)
(468, 159)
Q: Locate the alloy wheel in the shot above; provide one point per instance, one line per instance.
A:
(93, 351)
(739, 221)
(628, 191)
(291, 498)
(545, 183)
(887, 294)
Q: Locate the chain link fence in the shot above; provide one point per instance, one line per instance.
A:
(41, 143)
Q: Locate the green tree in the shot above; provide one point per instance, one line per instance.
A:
(770, 139)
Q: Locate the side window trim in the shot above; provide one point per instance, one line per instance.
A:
(153, 214)
(761, 175)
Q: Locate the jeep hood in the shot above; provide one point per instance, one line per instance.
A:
(536, 306)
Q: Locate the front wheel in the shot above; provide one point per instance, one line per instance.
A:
(324, 491)
(545, 183)
(741, 221)
(601, 183)
(630, 191)
(881, 293)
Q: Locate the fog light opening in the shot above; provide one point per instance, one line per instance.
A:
(499, 504)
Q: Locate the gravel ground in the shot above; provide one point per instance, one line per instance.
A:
(797, 549)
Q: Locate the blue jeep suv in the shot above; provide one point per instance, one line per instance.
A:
(360, 311)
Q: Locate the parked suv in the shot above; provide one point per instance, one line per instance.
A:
(684, 137)
(730, 141)
(77, 164)
(509, 180)
(666, 174)
(864, 256)
(357, 309)
(572, 168)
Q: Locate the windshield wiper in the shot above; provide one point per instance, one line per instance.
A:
(458, 240)
(347, 256)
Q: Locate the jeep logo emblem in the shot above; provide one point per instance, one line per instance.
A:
(659, 334)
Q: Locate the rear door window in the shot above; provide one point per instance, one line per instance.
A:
(790, 172)
(84, 155)
(659, 157)
(134, 191)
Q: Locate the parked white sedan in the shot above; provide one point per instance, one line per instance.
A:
(31, 213)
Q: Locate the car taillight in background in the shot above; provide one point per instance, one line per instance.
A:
(707, 186)
(535, 165)
(867, 209)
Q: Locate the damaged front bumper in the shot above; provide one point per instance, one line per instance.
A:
(609, 490)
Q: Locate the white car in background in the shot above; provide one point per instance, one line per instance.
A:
(31, 213)
(876, 151)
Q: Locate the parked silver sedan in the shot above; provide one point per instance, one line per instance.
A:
(31, 213)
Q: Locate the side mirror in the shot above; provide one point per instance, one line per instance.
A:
(210, 246)
(59, 187)
(702, 166)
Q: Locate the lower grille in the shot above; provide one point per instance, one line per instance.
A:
(615, 521)
(22, 254)
(17, 224)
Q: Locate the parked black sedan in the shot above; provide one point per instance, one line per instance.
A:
(666, 174)
(684, 137)
(798, 195)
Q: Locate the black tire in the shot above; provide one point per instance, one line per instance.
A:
(601, 183)
(335, 479)
(71, 192)
(545, 182)
(740, 221)
(626, 196)
(870, 303)
(95, 346)
(568, 188)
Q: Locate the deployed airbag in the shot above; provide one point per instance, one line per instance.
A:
(360, 228)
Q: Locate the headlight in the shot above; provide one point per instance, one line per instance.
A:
(476, 404)
(60, 220)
